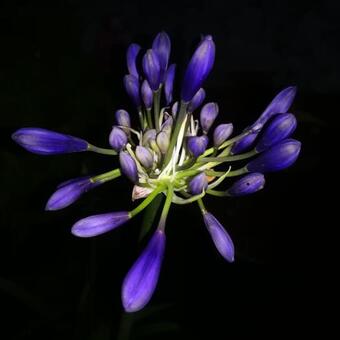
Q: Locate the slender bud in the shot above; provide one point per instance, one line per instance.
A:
(222, 133)
(208, 115)
(69, 191)
(278, 157)
(244, 144)
(282, 126)
(123, 118)
(145, 156)
(117, 138)
(198, 184)
(162, 47)
(128, 166)
(169, 83)
(99, 224)
(248, 184)
(198, 69)
(131, 56)
(46, 142)
(148, 136)
(220, 237)
(167, 125)
(163, 141)
(131, 84)
(141, 280)
(197, 100)
(147, 94)
(174, 109)
(151, 68)
(197, 144)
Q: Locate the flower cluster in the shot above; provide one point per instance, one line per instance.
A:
(175, 152)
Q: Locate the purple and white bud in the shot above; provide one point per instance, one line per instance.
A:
(163, 141)
(131, 57)
(162, 47)
(123, 118)
(167, 125)
(198, 184)
(208, 115)
(248, 184)
(147, 94)
(149, 136)
(222, 133)
(131, 84)
(128, 166)
(174, 109)
(197, 145)
(197, 100)
(117, 138)
(152, 70)
(144, 156)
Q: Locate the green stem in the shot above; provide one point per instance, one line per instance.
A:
(229, 158)
(149, 118)
(107, 176)
(217, 193)
(234, 173)
(102, 151)
(156, 105)
(201, 205)
(166, 207)
(141, 118)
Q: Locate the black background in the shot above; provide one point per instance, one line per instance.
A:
(61, 66)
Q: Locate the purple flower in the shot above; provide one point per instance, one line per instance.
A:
(169, 83)
(278, 157)
(244, 143)
(220, 237)
(222, 133)
(162, 47)
(147, 94)
(123, 118)
(197, 100)
(131, 56)
(198, 69)
(131, 84)
(128, 166)
(145, 156)
(117, 138)
(197, 144)
(198, 184)
(140, 282)
(248, 184)
(99, 224)
(208, 115)
(281, 127)
(46, 142)
(152, 69)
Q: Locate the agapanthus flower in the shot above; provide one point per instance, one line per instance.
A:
(175, 151)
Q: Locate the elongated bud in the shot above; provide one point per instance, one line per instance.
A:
(68, 192)
(117, 138)
(128, 166)
(244, 144)
(197, 100)
(99, 224)
(248, 184)
(278, 157)
(46, 142)
(197, 144)
(198, 184)
(131, 84)
(147, 94)
(174, 109)
(141, 280)
(220, 237)
(162, 47)
(163, 141)
(282, 126)
(145, 156)
(131, 56)
(222, 133)
(151, 68)
(148, 136)
(167, 125)
(123, 118)
(198, 69)
(208, 115)
(169, 83)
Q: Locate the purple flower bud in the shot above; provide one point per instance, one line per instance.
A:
(141, 280)
(244, 144)
(149, 136)
(117, 138)
(123, 118)
(198, 184)
(151, 68)
(128, 166)
(280, 104)
(167, 125)
(208, 115)
(282, 126)
(68, 192)
(248, 184)
(198, 69)
(174, 109)
(222, 133)
(197, 100)
(131, 84)
(163, 141)
(197, 145)
(131, 56)
(46, 142)
(147, 94)
(278, 157)
(169, 83)
(162, 47)
(99, 224)
(145, 156)
(220, 237)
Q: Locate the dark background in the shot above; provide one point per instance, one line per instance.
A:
(62, 65)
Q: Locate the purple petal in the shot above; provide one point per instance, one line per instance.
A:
(244, 144)
(117, 138)
(128, 166)
(169, 83)
(162, 47)
(123, 118)
(208, 115)
(222, 133)
(131, 84)
(248, 184)
(198, 184)
(197, 100)
(131, 56)
(147, 94)
(197, 145)
(145, 156)
(152, 69)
